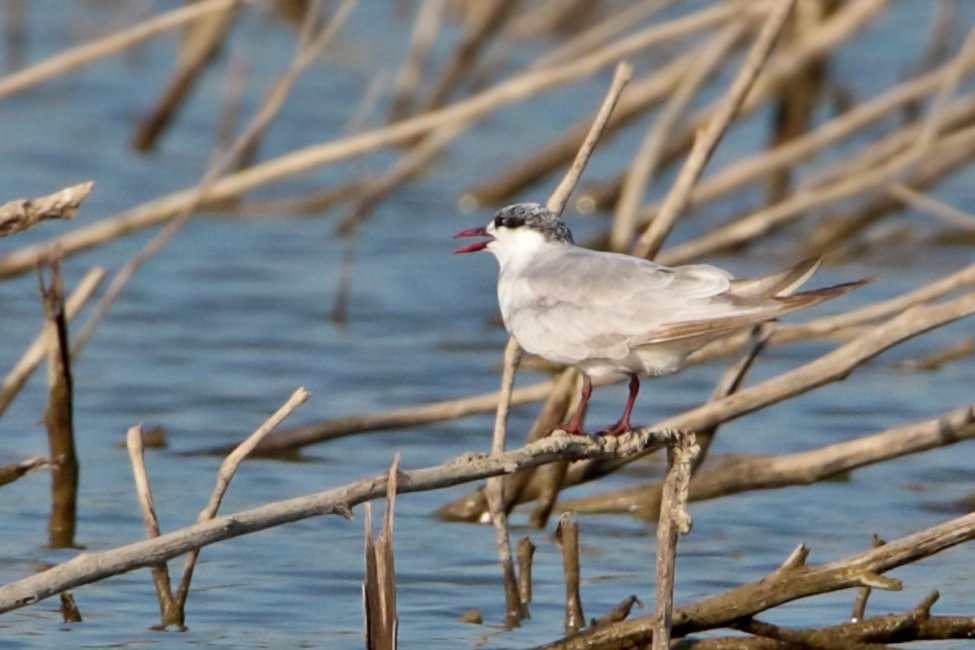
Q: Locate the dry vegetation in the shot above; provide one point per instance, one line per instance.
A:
(756, 54)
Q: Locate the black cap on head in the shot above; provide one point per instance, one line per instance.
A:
(534, 216)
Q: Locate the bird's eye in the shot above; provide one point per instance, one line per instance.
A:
(498, 221)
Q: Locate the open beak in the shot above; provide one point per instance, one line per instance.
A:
(477, 246)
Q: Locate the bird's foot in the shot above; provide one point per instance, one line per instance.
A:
(617, 429)
(571, 430)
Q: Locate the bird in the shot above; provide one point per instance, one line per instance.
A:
(615, 315)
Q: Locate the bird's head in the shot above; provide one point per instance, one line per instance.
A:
(518, 228)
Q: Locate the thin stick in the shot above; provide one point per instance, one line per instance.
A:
(947, 213)
(708, 139)
(425, 29)
(495, 486)
(526, 85)
(17, 378)
(89, 53)
(272, 104)
(93, 566)
(526, 552)
(226, 473)
(557, 201)
(648, 158)
(674, 519)
(168, 611)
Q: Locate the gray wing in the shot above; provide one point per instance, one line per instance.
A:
(580, 303)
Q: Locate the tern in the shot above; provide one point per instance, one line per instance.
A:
(609, 314)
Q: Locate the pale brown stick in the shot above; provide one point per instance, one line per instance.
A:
(168, 207)
(494, 490)
(224, 475)
(199, 46)
(956, 71)
(272, 104)
(19, 215)
(382, 622)
(92, 567)
(674, 520)
(168, 611)
(557, 201)
(567, 536)
(707, 141)
(602, 32)
(17, 378)
(931, 205)
(648, 157)
(425, 29)
(89, 53)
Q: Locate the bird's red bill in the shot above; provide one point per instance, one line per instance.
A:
(477, 246)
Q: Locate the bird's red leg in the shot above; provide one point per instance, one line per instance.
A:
(575, 424)
(624, 424)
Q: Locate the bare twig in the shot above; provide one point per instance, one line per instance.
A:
(674, 520)
(648, 158)
(494, 490)
(91, 567)
(556, 202)
(382, 623)
(224, 475)
(17, 216)
(168, 611)
(89, 53)
(425, 29)
(526, 552)
(707, 140)
(273, 103)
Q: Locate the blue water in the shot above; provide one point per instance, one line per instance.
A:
(216, 331)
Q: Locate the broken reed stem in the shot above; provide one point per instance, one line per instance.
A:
(425, 29)
(224, 475)
(382, 623)
(567, 536)
(17, 378)
(19, 215)
(91, 567)
(60, 410)
(495, 486)
(708, 139)
(272, 104)
(674, 520)
(560, 197)
(168, 612)
(526, 553)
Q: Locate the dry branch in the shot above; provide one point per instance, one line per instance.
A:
(89, 53)
(794, 580)
(92, 567)
(224, 476)
(19, 215)
(379, 599)
(707, 140)
(516, 89)
(168, 611)
(674, 520)
(803, 468)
